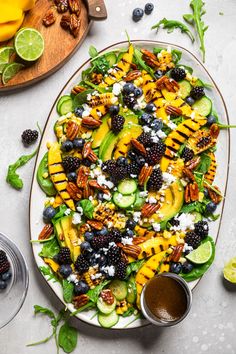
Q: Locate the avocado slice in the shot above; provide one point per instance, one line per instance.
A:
(107, 146)
(59, 233)
(178, 192)
(100, 133)
(70, 234)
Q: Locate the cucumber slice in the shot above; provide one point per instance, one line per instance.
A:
(104, 307)
(66, 107)
(111, 58)
(119, 289)
(123, 201)
(127, 186)
(60, 101)
(184, 88)
(108, 321)
(132, 291)
(203, 106)
(197, 216)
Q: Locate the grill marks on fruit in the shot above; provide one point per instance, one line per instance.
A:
(210, 175)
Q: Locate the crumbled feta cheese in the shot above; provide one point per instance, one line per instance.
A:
(90, 198)
(95, 276)
(67, 212)
(106, 197)
(152, 200)
(172, 125)
(155, 139)
(86, 111)
(161, 134)
(133, 176)
(119, 197)
(127, 240)
(143, 194)
(110, 270)
(80, 210)
(156, 227)
(146, 129)
(168, 178)
(72, 278)
(109, 224)
(186, 222)
(89, 97)
(136, 216)
(187, 248)
(117, 88)
(76, 219)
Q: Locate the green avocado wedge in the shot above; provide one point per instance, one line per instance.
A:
(45, 183)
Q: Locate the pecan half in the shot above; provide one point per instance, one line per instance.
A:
(139, 239)
(97, 225)
(107, 296)
(132, 75)
(166, 83)
(94, 184)
(188, 173)
(62, 5)
(150, 58)
(77, 89)
(49, 17)
(80, 300)
(88, 152)
(132, 250)
(65, 22)
(214, 131)
(149, 209)
(177, 252)
(82, 177)
(138, 146)
(74, 25)
(187, 198)
(46, 232)
(215, 197)
(72, 130)
(192, 164)
(73, 190)
(75, 6)
(194, 191)
(144, 174)
(87, 192)
(173, 111)
(91, 123)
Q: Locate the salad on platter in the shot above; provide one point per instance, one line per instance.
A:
(129, 180)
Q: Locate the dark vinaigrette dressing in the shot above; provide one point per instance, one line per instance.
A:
(166, 298)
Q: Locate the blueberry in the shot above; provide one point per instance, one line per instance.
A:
(206, 192)
(150, 108)
(140, 160)
(78, 143)
(85, 247)
(102, 232)
(87, 162)
(156, 125)
(137, 14)
(132, 155)
(189, 100)
(187, 267)
(88, 236)
(92, 259)
(129, 233)
(138, 92)
(130, 224)
(3, 284)
(72, 176)
(81, 288)
(122, 161)
(148, 8)
(48, 214)
(128, 88)
(6, 276)
(211, 207)
(102, 260)
(114, 110)
(67, 146)
(158, 74)
(79, 111)
(211, 120)
(145, 119)
(100, 196)
(176, 267)
(65, 270)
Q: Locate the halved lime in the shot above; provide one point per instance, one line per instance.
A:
(10, 71)
(29, 44)
(230, 271)
(202, 254)
(5, 54)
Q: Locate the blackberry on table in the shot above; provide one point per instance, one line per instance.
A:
(187, 154)
(63, 256)
(155, 153)
(197, 92)
(100, 242)
(4, 266)
(178, 74)
(117, 123)
(29, 136)
(71, 163)
(115, 235)
(201, 228)
(155, 181)
(81, 264)
(113, 255)
(192, 239)
(3, 256)
(120, 272)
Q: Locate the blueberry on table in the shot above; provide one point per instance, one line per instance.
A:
(190, 100)
(150, 108)
(81, 288)
(48, 213)
(187, 267)
(3, 284)
(65, 270)
(211, 207)
(114, 110)
(67, 146)
(158, 74)
(137, 14)
(88, 236)
(211, 120)
(78, 143)
(138, 92)
(149, 7)
(176, 267)
(79, 111)
(128, 88)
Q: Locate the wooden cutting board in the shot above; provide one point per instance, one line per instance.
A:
(60, 45)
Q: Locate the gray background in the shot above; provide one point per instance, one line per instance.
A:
(211, 325)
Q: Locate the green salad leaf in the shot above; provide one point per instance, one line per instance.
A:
(134, 266)
(170, 25)
(67, 338)
(141, 62)
(68, 289)
(195, 206)
(87, 207)
(46, 271)
(60, 213)
(81, 98)
(44, 310)
(93, 294)
(50, 248)
(204, 164)
(12, 176)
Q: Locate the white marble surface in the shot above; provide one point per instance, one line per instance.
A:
(211, 325)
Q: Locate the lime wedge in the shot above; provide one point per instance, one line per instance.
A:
(29, 44)
(10, 71)
(202, 254)
(230, 271)
(5, 54)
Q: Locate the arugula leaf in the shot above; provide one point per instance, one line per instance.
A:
(87, 207)
(134, 266)
(50, 249)
(196, 19)
(186, 67)
(93, 294)
(68, 289)
(67, 338)
(141, 62)
(100, 65)
(12, 177)
(48, 273)
(171, 25)
(44, 310)
(195, 206)
(129, 312)
(176, 55)
(81, 98)
(60, 213)
(93, 51)
(204, 164)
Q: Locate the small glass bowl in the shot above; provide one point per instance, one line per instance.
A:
(13, 297)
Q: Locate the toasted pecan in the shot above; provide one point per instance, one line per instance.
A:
(131, 250)
(188, 173)
(144, 174)
(46, 232)
(150, 58)
(132, 75)
(138, 146)
(194, 191)
(97, 225)
(82, 177)
(192, 164)
(214, 131)
(73, 190)
(107, 296)
(177, 252)
(77, 89)
(173, 111)
(215, 197)
(149, 209)
(80, 300)
(72, 130)
(91, 123)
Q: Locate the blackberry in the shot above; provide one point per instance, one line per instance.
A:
(64, 256)
(3, 256)
(145, 139)
(201, 228)
(71, 163)
(187, 154)
(155, 181)
(29, 136)
(134, 168)
(155, 153)
(121, 172)
(81, 264)
(117, 123)
(113, 255)
(197, 92)
(192, 239)
(4, 266)
(121, 270)
(114, 235)
(129, 101)
(178, 74)
(109, 166)
(100, 242)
